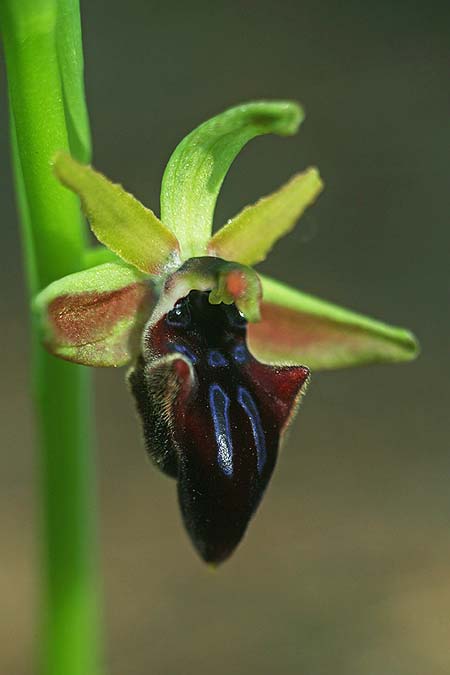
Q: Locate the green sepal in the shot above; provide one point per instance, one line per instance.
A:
(118, 220)
(197, 168)
(297, 328)
(250, 235)
(96, 317)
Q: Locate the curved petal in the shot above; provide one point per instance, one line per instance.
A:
(118, 219)
(196, 169)
(299, 328)
(96, 317)
(250, 235)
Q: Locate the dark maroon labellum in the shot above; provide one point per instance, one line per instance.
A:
(212, 416)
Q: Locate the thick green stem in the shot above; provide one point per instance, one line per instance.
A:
(53, 240)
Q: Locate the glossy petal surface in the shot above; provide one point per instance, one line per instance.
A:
(299, 328)
(250, 235)
(96, 317)
(224, 414)
(196, 169)
(119, 220)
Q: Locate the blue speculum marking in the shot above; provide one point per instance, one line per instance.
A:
(240, 353)
(249, 405)
(220, 404)
(185, 351)
(216, 359)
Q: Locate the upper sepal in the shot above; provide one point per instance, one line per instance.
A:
(299, 328)
(197, 167)
(96, 317)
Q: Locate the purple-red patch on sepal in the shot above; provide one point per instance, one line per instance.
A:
(91, 323)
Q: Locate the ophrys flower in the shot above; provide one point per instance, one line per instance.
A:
(219, 355)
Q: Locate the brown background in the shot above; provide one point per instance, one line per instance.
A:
(346, 566)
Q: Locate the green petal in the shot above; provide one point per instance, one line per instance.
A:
(297, 328)
(118, 220)
(96, 317)
(196, 170)
(250, 235)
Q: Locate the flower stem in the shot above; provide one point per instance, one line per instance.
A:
(53, 241)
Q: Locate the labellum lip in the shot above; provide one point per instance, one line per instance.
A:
(213, 417)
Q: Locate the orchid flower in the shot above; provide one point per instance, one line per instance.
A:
(219, 355)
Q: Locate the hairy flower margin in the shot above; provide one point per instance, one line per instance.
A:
(213, 411)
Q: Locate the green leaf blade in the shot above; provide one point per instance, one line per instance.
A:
(118, 220)
(297, 328)
(71, 67)
(197, 167)
(250, 235)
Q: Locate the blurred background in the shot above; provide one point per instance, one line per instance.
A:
(345, 568)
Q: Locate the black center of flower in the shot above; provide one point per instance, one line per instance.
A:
(216, 330)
